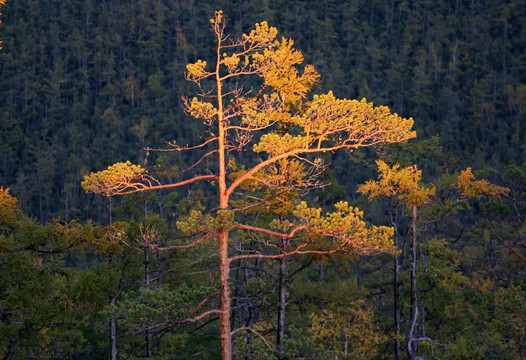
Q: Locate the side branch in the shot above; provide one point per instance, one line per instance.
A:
(139, 187)
(120, 235)
(190, 167)
(176, 147)
(181, 183)
(177, 247)
(275, 158)
(246, 328)
(204, 301)
(199, 317)
(270, 232)
(510, 247)
(260, 201)
(297, 251)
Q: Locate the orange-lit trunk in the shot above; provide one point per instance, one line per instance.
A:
(222, 236)
(224, 317)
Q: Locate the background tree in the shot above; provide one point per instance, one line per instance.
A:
(404, 184)
(39, 304)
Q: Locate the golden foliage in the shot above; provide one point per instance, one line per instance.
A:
(275, 117)
(348, 330)
(261, 35)
(346, 226)
(401, 182)
(404, 184)
(196, 70)
(201, 109)
(121, 178)
(8, 208)
(469, 187)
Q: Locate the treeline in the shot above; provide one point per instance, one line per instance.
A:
(86, 84)
(71, 290)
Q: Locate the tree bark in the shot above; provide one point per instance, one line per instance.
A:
(224, 317)
(159, 269)
(282, 301)
(147, 279)
(396, 290)
(113, 331)
(410, 344)
(222, 237)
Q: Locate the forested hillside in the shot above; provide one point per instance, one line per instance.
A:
(88, 84)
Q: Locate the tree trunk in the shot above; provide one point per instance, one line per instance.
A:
(159, 270)
(224, 317)
(11, 348)
(113, 319)
(147, 280)
(345, 344)
(282, 301)
(113, 330)
(396, 290)
(396, 310)
(222, 236)
(410, 344)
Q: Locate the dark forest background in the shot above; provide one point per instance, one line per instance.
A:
(85, 84)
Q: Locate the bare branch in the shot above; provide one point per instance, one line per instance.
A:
(272, 160)
(289, 253)
(256, 128)
(189, 168)
(199, 317)
(177, 247)
(176, 147)
(187, 264)
(246, 328)
(508, 246)
(138, 187)
(270, 232)
(261, 201)
(204, 301)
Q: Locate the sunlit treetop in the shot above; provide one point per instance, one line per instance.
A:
(402, 182)
(272, 116)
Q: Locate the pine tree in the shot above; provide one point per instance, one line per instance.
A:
(270, 113)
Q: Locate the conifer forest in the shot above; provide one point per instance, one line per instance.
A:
(263, 179)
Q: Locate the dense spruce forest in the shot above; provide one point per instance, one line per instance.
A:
(274, 242)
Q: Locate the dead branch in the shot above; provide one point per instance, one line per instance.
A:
(246, 328)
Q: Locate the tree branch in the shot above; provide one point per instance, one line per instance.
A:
(246, 328)
(185, 246)
(203, 302)
(199, 317)
(159, 187)
(176, 147)
(275, 158)
(510, 247)
(270, 232)
(286, 254)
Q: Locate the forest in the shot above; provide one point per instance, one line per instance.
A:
(302, 179)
